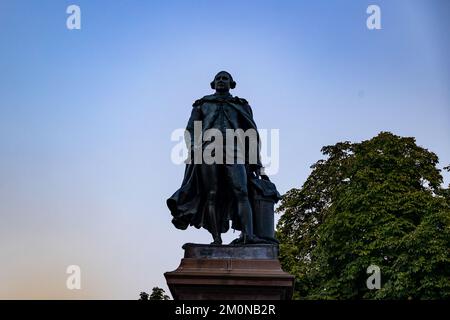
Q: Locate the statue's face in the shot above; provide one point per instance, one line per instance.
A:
(222, 82)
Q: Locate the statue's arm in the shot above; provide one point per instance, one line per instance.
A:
(247, 106)
(196, 115)
(258, 168)
(250, 111)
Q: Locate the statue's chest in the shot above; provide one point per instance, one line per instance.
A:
(219, 111)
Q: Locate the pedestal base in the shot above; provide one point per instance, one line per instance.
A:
(223, 272)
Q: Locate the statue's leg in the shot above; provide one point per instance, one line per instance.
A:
(209, 175)
(237, 180)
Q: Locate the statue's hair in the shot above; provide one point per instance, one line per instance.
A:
(232, 83)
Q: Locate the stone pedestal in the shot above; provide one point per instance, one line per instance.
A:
(226, 272)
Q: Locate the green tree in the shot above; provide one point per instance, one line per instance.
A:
(157, 294)
(378, 202)
(143, 295)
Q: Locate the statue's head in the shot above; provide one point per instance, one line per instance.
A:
(223, 82)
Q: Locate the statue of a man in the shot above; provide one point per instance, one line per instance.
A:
(213, 194)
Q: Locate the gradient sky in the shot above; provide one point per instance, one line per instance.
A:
(86, 116)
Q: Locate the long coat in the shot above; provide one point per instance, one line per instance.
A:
(187, 204)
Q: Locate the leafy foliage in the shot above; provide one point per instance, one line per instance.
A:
(157, 294)
(376, 202)
(143, 295)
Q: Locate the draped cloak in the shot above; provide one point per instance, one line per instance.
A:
(187, 204)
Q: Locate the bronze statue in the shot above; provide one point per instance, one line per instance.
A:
(233, 187)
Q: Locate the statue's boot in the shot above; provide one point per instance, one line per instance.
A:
(214, 227)
(245, 239)
(246, 217)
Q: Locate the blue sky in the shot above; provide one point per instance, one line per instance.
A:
(86, 116)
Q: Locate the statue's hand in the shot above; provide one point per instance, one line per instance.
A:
(260, 173)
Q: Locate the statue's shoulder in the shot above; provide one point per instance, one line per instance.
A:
(201, 101)
(213, 98)
(240, 100)
(198, 102)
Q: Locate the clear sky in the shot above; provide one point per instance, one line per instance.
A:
(86, 116)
